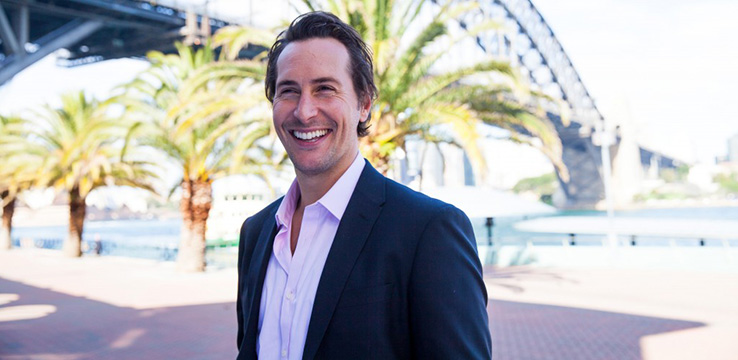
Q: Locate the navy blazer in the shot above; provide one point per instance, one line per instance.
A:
(402, 280)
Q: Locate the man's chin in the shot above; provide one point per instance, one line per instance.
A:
(310, 168)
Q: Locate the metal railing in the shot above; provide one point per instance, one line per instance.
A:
(219, 253)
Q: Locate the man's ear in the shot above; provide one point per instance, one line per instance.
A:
(365, 106)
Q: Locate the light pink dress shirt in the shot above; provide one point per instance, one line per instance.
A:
(291, 280)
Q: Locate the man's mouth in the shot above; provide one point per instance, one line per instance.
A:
(310, 135)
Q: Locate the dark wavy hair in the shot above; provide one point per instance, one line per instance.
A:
(321, 24)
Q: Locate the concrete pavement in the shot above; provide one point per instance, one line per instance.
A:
(119, 308)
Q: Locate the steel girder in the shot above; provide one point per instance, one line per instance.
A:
(538, 50)
(91, 30)
(70, 33)
(529, 43)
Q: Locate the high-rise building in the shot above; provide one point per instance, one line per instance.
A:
(733, 148)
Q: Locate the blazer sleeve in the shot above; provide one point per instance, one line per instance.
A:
(241, 275)
(447, 295)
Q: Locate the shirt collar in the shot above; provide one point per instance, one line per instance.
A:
(287, 206)
(335, 200)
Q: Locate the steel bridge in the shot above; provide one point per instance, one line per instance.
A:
(95, 30)
(92, 30)
(529, 43)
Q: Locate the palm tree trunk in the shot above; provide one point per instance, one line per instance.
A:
(197, 198)
(6, 242)
(77, 211)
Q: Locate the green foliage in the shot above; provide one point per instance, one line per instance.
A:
(727, 182)
(78, 146)
(660, 195)
(682, 172)
(416, 93)
(207, 114)
(544, 186)
(678, 174)
(18, 170)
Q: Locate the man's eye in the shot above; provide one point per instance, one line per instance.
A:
(325, 89)
(287, 92)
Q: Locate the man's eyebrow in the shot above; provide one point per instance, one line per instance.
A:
(322, 80)
(286, 83)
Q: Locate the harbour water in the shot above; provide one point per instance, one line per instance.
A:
(504, 231)
(135, 232)
(159, 238)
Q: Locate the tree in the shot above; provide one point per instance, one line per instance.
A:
(17, 171)
(416, 94)
(208, 114)
(81, 148)
(728, 182)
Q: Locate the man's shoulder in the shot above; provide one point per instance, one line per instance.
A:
(411, 200)
(397, 195)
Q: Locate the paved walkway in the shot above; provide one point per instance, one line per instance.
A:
(116, 308)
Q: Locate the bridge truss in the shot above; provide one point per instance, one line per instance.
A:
(529, 43)
(91, 30)
(94, 30)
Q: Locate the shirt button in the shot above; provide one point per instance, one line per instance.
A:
(284, 353)
(290, 295)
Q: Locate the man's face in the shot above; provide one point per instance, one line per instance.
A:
(316, 110)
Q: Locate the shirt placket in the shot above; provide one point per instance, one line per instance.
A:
(284, 259)
(296, 264)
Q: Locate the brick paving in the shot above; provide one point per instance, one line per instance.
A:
(534, 331)
(113, 308)
(81, 328)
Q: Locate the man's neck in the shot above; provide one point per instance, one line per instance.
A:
(313, 187)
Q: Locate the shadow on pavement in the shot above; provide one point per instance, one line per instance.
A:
(534, 331)
(80, 328)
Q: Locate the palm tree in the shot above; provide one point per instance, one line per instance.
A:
(17, 171)
(416, 94)
(82, 149)
(208, 114)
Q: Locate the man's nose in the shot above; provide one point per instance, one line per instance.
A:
(306, 108)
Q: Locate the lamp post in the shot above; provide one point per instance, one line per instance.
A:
(606, 138)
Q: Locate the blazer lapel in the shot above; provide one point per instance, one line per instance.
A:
(356, 224)
(256, 274)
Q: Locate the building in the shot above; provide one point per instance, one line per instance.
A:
(235, 198)
(733, 148)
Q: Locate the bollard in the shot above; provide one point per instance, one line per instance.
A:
(98, 245)
(489, 223)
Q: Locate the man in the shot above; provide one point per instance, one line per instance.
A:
(349, 264)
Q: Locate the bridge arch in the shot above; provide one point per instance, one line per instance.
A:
(94, 30)
(532, 46)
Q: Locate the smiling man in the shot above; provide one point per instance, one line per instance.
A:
(349, 264)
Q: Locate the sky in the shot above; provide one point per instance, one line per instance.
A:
(667, 70)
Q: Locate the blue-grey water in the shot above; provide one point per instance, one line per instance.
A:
(504, 232)
(131, 231)
(159, 238)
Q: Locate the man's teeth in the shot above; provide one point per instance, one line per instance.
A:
(309, 135)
